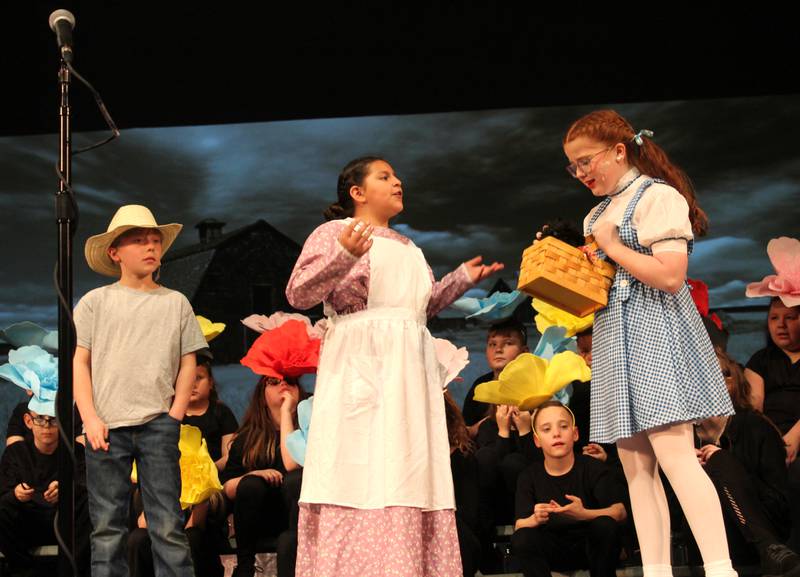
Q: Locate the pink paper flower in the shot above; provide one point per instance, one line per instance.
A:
(784, 252)
(453, 359)
(261, 323)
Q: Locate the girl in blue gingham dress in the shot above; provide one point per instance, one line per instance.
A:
(654, 371)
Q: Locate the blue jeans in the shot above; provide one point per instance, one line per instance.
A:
(154, 445)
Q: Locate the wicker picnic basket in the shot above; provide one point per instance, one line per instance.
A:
(563, 276)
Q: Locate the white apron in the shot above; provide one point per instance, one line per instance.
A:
(378, 436)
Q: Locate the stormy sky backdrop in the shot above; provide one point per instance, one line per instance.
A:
(475, 183)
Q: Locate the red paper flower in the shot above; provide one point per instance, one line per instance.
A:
(286, 351)
(699, 292)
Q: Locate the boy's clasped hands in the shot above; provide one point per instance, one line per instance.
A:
(575, 510)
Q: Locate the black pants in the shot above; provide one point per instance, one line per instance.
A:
(287, 541)
(266, 519)
(27, 525)
(470, 547)
(749, 526)
(497, 479)
(594, 544)
(205, 556)
(794, 504)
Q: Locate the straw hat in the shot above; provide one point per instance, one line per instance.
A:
(127, 217)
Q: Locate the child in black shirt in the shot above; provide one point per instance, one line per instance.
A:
(569, 508)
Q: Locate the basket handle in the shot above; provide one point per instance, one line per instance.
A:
(590, 250)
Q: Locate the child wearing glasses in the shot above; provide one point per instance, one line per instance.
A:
(29, 495)
(654, 371)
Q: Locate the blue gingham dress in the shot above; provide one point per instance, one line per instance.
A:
(652, 360)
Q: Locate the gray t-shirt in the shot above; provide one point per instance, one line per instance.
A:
(136, 339)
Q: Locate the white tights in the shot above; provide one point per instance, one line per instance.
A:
(672, 447)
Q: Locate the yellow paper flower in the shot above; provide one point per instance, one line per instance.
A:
(199, 477)
(549, 316)
(210, 330)
(528, 380)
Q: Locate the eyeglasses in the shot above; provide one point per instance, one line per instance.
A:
(585, 163)
(43, 420)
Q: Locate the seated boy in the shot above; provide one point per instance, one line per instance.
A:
(569, 508)
(506, 340)
(29, 496)
(501, 433)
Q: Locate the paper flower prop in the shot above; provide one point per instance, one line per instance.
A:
(210, 330)
(451, 358)
(27, 333)
(496, 307)
(297, 440)
(199, 477)
(286, 351)
(550, 316)
(784, 252)
(554, 340)
(528, 380)
(261, 323)
(699, 293)
(34, 369)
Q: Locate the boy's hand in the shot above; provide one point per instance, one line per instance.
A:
(23, 492)
(704, 453)
(51, 495)
(522, 421)
(541, 512)
(478, 272)
(355, 238)
(97, 434)
(575, 510)
(503, 418)
(596, 451)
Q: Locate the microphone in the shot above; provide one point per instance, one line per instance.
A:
(62, 23)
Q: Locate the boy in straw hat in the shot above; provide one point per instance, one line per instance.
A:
(134, 368)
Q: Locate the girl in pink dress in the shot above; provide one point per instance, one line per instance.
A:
(377, 496)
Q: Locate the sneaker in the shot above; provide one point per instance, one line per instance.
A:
(780, 561)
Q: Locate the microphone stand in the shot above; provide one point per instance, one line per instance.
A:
(65, 219)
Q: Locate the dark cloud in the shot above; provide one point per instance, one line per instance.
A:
(475, 182)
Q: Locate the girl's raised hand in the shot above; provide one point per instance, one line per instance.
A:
(288, 403)
(478, 271)
(606, 234)
(356, 237)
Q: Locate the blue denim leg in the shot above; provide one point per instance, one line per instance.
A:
(157, 461)
(108, 476)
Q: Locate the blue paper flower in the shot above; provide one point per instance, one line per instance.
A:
(297, 440)
(27, 333)
(34, 369)
(496, 307)
(552, 342)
